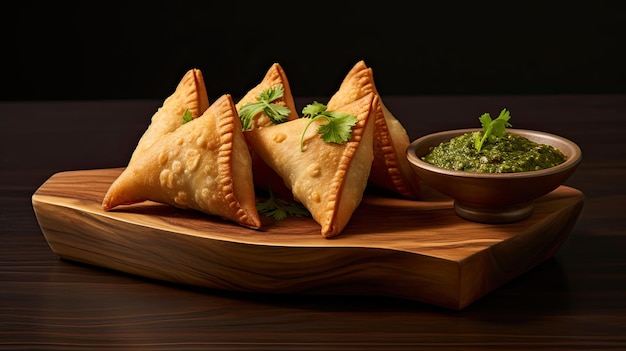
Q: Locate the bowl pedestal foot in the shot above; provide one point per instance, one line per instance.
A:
(490, 214)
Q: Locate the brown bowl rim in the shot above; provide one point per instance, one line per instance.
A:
(572, 160)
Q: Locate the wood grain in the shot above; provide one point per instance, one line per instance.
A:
(418, 250)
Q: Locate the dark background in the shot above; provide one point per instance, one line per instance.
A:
(109, 50)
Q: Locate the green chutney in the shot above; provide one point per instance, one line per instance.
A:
(508, 153)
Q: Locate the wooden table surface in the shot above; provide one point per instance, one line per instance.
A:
(576, 300)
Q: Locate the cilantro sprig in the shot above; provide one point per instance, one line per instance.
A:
(276, 113)
(492, 129)
(338, 129)
(187, 117)
(279, 209)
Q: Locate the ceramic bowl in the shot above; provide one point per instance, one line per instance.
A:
(493, 197)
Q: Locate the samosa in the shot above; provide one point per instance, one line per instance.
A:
(204, 164)
(390, 170)
(328, 178)
(190, 98)
(275, 78)
(269, 102)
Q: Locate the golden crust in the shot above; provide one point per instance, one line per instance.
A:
(264, 176)
(211, 165)
(390, 169)
(204, 165)
(190, 93)
(274, 76)
(327, 178)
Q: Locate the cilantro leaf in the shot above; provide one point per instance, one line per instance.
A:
(492, 129)
(187, 117)
(498, 126)
(247, 112)
(280, 209)
(485, 120)
(338, 129)
(276, 113)
(313, 109)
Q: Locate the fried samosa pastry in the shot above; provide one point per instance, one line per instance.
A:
(275, 78)
(203, 164)
(190, 94)
(391, 169)
(328, 178)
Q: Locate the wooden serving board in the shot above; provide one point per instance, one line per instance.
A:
(418, 250)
